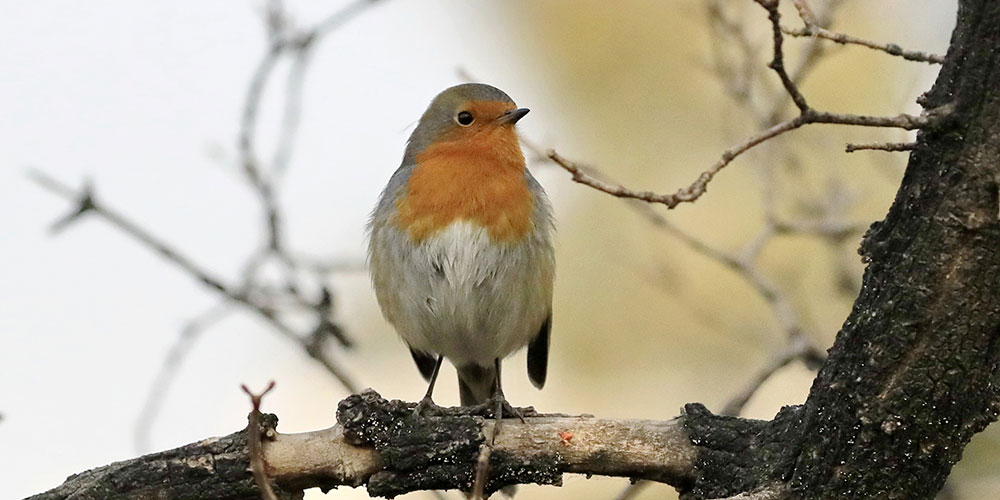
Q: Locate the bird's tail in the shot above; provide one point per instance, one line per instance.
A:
(475, 384)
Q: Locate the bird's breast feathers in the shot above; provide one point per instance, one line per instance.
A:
(478, 179)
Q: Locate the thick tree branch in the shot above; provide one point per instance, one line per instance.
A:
(912, 374)
(380, 444)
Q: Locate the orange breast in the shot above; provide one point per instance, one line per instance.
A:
(478, 177)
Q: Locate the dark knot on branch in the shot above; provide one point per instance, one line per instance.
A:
(427, 453)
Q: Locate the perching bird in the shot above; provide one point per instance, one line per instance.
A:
(460, 247)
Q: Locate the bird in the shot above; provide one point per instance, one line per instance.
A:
(460, 247)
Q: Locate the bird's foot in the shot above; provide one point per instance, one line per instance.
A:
(426, 407)
(503, 409)
(498, 407)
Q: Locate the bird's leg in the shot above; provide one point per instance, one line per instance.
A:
(427, 403)
(500, 405)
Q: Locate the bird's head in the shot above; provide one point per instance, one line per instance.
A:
(471, 116)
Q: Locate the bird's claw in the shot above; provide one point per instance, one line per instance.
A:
(498, 408)
(427, 407)
(503, 409)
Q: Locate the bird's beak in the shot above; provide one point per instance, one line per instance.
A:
(512, 116)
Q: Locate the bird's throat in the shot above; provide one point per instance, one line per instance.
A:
(479, 178)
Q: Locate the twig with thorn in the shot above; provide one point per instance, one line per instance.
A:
(482, 472)
(255, 429)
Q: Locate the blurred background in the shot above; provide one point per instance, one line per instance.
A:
(145, 101)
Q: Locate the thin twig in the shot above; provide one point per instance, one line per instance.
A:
(807, 115)
(742, 265)
(341, 17)
(251, 105)
(699, 186)
(171, 255)
(778, 59)
(288, 130)
(797, 348)
(812, 29)
(836, 231)
(86, 201)
(168, 371)
(888, 48)
(881, 146)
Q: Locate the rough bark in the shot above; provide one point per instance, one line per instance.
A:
(214, 468)
(380, 444)
(913, 372)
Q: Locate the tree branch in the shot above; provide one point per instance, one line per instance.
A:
(380, 444)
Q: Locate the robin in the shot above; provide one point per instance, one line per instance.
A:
(460, 247)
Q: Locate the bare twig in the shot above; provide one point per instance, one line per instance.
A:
(778, 60)
(87, 202)
(797, 348)
(833, 230)
(168, 371)
(888, 48)
(881, 146)
(250, 290)
(699, 186)
(251, 104)
(807, 115)
(812, 29)
(256, 427)
(190, 267)
(740, 78)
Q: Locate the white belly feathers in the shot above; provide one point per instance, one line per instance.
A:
(459, 294)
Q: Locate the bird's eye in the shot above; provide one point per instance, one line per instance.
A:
(464, 118)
